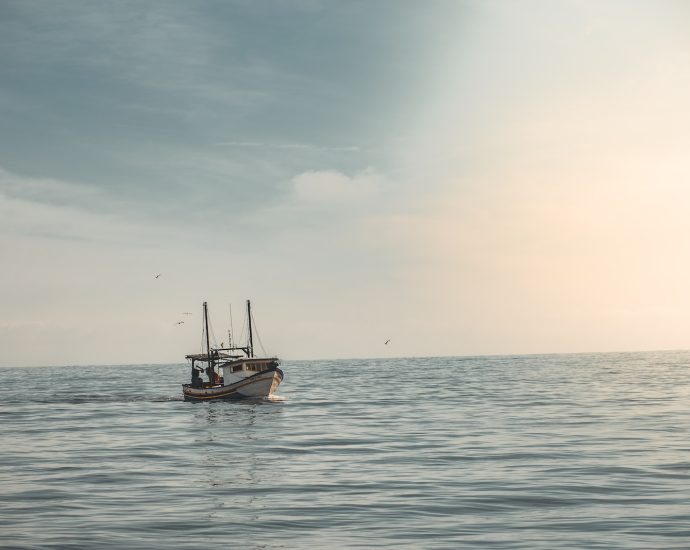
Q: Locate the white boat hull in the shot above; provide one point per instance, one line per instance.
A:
(262, 384)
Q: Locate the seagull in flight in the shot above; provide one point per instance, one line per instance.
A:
(386, 342)
(158, 275)
(180, 323)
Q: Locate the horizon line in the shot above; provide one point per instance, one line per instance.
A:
(470, 356)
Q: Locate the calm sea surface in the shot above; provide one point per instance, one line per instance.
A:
(557, 451)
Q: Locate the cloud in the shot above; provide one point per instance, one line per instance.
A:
(331, 187)
(55, 209)
(306, 146)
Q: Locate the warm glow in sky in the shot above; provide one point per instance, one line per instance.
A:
(459, 177)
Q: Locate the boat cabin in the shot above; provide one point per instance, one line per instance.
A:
(232, 371)
(236, 370)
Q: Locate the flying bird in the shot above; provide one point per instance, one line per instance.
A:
(180, 323)
(186, 313)
(386, 342)
(158, 275)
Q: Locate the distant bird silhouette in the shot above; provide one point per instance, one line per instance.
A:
(187, 313)
(386, 342)
(156, 277)
(180, 323)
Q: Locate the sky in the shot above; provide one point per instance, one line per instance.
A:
(460, 177)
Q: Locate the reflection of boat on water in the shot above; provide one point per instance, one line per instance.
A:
(232, 372)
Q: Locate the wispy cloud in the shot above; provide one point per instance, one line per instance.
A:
(55, 209)
(47, 190)
(305, 146)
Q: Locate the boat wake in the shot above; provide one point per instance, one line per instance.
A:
(57, 400)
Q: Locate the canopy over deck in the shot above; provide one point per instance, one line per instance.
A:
(214, 355)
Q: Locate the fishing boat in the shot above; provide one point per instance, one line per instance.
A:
(232, 372)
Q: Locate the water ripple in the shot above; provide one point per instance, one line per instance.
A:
(553, 451)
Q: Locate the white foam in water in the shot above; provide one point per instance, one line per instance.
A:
(275, 398)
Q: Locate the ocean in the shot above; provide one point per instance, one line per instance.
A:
(544, 451)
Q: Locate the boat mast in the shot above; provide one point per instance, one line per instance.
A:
(208, 344)
(231, 331)
(249, 320)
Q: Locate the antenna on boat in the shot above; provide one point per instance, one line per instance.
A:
(231, 331)
(249, 322)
